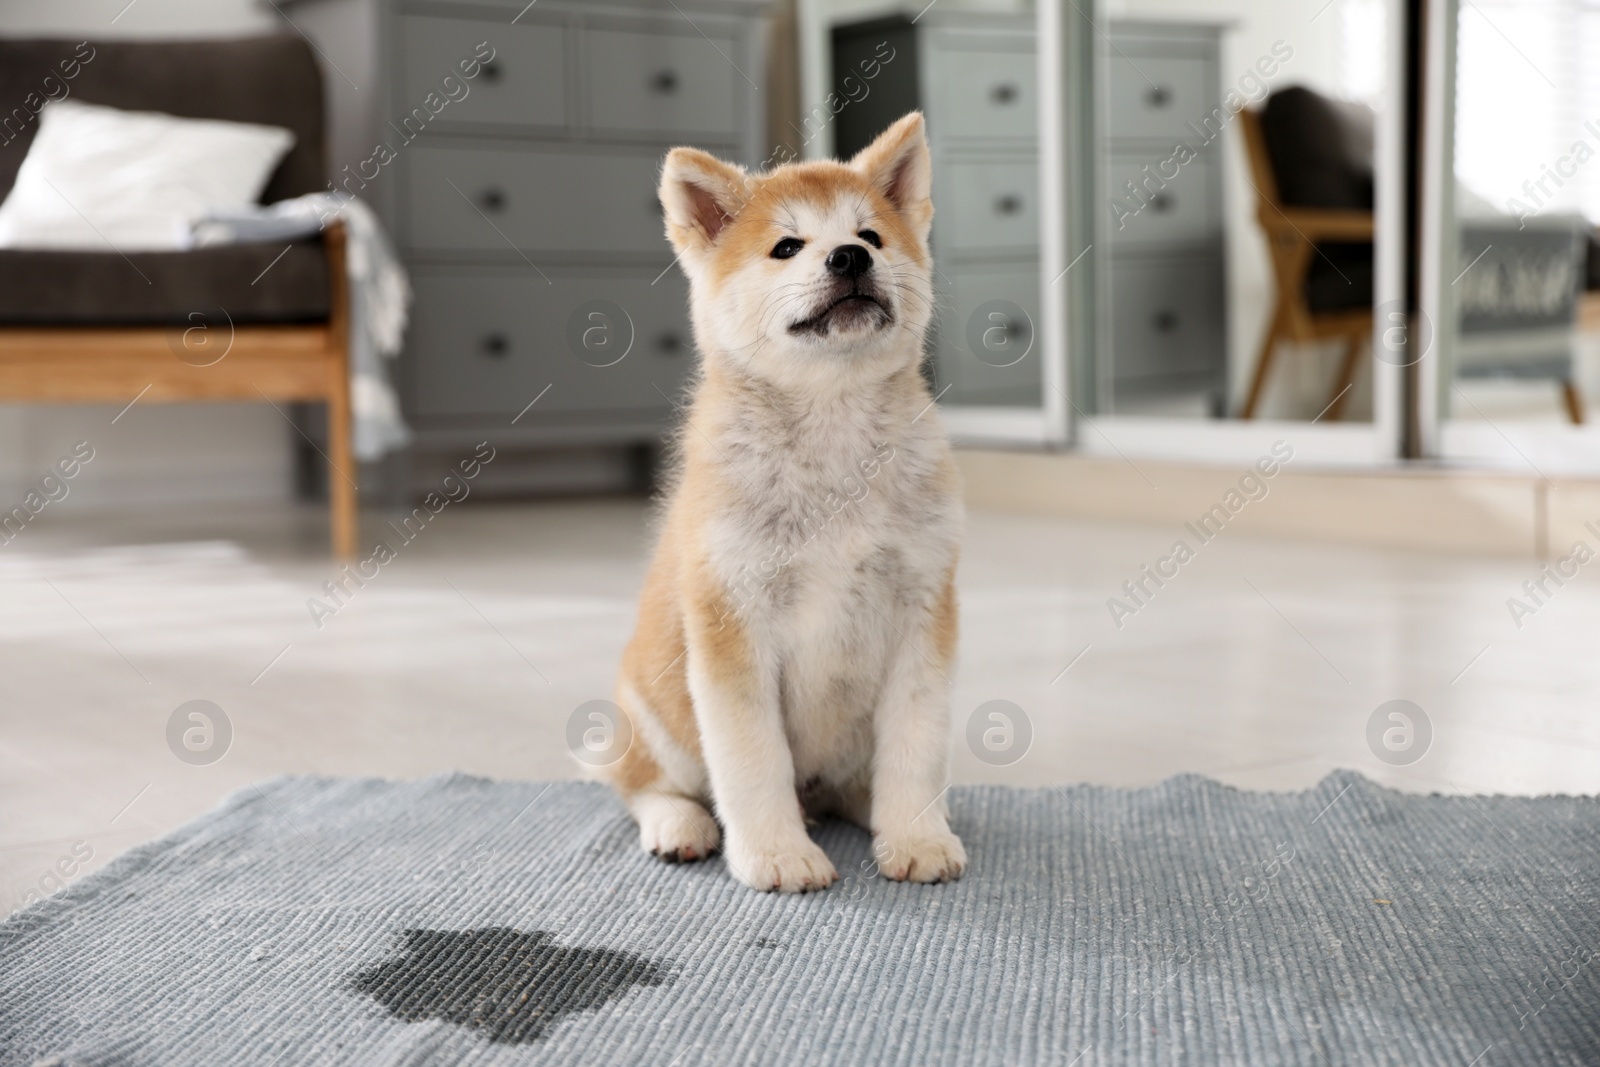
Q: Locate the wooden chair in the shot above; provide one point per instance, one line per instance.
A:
(257, 322)
(1293, 234)
(118, 364)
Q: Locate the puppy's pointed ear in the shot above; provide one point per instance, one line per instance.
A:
(898, 166)
(700, 194)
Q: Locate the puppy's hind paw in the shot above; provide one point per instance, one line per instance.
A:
(923, 857)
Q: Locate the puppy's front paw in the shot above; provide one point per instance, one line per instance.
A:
(935, 856)
(677, 830)
(801, 868)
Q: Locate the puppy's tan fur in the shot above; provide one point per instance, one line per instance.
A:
(798, 625)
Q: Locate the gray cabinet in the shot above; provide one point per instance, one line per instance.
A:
(1161, 272)
(526, 209)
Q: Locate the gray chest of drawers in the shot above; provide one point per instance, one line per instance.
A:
(975, 78)
(525, 206)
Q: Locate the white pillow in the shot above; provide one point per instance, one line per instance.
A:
(105, 179)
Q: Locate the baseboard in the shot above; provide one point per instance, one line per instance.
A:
(1416, 507)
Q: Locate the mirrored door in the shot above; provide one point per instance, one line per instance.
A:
(1237, 157)
(1512, 254)
(1244, 230)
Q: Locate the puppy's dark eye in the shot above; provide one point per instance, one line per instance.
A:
(787, 248)
(871, 237)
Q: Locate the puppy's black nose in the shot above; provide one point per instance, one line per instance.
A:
(849, 261)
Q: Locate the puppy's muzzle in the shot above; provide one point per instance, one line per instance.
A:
(854, 298)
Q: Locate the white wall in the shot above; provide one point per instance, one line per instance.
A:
(154, 454)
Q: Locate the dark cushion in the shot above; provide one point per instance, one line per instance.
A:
(1321, 155)
(1321, 149)
(270, 80)
(162, 288)
(1340, 277)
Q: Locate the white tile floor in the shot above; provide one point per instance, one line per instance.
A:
(1259, 664)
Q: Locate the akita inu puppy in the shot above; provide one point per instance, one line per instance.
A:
(797, 628)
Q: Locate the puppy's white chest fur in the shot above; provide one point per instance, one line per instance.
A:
(839, 521)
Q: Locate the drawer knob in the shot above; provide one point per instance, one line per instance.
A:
(670, 344)
(1161, 202)
(492, 199)
(665, 82)
(491, 72)
(1003, 93)
(1166, 321)
(1008, 204)
(1158, 96)
(495, 345)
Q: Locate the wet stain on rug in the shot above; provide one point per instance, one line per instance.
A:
(511, 986)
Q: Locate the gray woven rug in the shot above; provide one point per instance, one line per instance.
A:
(456, 920)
